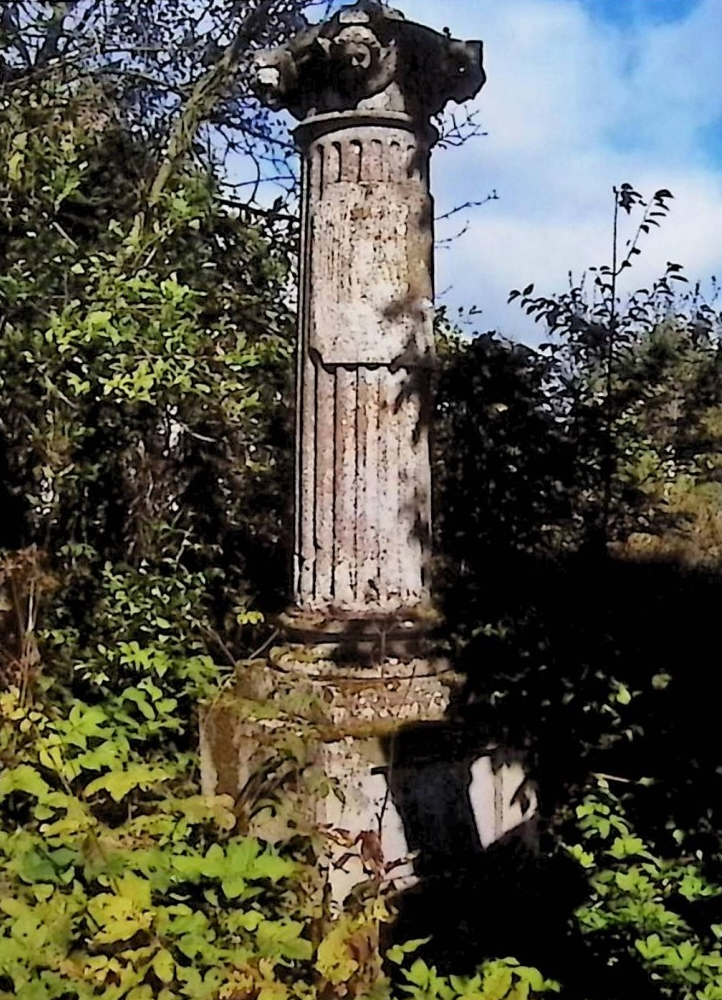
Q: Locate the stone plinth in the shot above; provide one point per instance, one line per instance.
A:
(304, 746)
(365, 762)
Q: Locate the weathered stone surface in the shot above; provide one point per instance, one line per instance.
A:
(298, 716)
(366, 345)
(369, 57)
(369, 243)
(368, 757)
(365, 85)
(503, 799)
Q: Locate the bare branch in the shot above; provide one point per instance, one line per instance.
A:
(455, 131)
(467, 205)
(204, 96)
(134, 74)
(446, 243)
(266, 213)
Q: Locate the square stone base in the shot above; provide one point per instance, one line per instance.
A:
(365, 763)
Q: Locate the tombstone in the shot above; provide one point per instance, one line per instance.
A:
(358, 686)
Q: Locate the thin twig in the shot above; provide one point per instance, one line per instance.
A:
(493, 196)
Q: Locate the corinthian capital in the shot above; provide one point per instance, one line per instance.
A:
(368, 58)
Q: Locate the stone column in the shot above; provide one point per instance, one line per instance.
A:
(356, 682)
(365, 349)
(365, 87)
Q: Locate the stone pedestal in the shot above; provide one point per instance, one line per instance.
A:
(306, 746)
(364, 762)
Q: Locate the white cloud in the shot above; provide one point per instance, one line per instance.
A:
(574, 106)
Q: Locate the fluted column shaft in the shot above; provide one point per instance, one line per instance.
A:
(365, 351)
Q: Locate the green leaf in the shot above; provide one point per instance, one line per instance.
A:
(626, 847)
(397, 954)
(272, 867)
(118, 784)
(234, 886)
(98, 319)
(164, 966)
(15, 166)
(283, 940)
(23, 779)
(497, 983)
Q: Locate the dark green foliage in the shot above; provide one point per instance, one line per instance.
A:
(581, 588)
(143, 359)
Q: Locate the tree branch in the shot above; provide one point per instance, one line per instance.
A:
(466, 205)
(9, 24)
(266, 213)
(55, 31)
(204, 95)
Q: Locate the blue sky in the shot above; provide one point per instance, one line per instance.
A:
(629, 12)
(581, 95)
